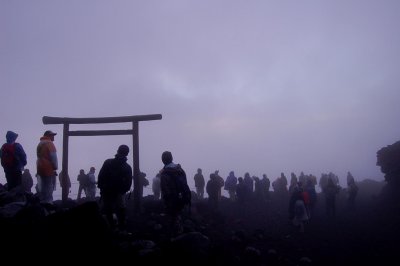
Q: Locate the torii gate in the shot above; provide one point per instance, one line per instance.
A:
(66, 121)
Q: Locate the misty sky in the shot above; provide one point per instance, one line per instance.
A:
(250, 86)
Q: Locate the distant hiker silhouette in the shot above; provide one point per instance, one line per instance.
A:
(82, 180)
(213, 188)
(230, 185)
(331, 191)
(352, 190)
(199, 183)
(266, 183)
(91, 184)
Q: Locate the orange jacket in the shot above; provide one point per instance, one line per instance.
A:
(47, 161)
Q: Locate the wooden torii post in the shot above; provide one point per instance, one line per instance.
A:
(66, 121)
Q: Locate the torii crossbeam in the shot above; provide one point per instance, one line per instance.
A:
(66, 121)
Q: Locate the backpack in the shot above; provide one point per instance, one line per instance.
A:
(185, 195)
(306, 197)
(178, 184)
(115, 177)
(8, 159)
(119, 182)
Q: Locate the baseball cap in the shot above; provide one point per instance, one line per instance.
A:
(49, 133)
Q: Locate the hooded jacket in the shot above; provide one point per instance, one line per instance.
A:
(20, 154)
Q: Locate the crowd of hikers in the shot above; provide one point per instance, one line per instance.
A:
(169, 185)
(300, 192)
(281, 212)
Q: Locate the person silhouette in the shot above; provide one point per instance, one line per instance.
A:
(13, 160)
(199, 183)
(47, 165)
(114, 180)
(170, 191)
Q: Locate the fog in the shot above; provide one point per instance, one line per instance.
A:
(258, 87)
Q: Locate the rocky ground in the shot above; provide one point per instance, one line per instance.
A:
(255, 234)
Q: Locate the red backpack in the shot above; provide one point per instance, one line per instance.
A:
(306, 197)
(8, 155)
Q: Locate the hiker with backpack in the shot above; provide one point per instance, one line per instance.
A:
(175, 191)
(300, 213)
(13, 160)
(114, 180)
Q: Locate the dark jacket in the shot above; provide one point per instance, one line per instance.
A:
(115, 176)
(174, 190)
